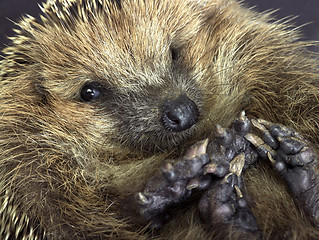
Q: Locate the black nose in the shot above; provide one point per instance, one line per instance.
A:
(179, 114)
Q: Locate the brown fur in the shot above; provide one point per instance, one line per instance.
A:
(66, 165)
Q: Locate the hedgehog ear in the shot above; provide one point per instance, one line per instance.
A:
(16, 56)
(41, 91)
(16, 52)
(118, 3)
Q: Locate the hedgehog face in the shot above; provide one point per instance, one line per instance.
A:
(123, 64)
(152, 117)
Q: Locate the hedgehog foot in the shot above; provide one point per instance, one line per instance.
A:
(224, 204)
(204, 166)
(173, 184)
(294, 159)
(227, 144)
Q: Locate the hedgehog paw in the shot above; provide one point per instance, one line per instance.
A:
(228, 143)
(225, 205)
(173, 184)
(294, 159)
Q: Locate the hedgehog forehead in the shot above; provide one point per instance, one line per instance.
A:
(124, 40)
(121, 51)
(171, 16)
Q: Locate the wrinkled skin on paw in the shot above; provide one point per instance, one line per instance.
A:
(214, 168)
(224, 203)
(229, 143)
(295, 159)
(173, 184)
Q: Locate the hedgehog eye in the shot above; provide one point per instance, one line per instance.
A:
(90, 91)
(174, 54)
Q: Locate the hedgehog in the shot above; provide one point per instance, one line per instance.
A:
(158, 119)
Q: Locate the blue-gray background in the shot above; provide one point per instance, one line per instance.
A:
(307, 10)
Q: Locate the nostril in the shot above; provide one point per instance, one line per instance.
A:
(180, 114)
(174, 117)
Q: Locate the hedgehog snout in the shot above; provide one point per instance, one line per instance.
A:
(179, 114)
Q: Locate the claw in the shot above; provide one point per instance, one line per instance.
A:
(271, 159)
(237, 164)
(197, 150)
(242, 116)
(260, 124)
(216, 169)
(202, 147)
(223, 135)
(263, 148)
(142, 199)
(168, 166)
(238, 192)
(210, 168)
(253, 139)
(242, 124)
(264, 122)
(192, 183)
(220, 131)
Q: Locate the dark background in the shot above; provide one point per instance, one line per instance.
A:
(307, 10)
